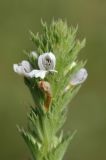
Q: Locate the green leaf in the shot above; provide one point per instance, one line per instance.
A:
(58, 152)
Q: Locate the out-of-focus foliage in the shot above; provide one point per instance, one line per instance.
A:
(87, 112)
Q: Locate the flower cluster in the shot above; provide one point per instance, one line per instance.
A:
(46, 64)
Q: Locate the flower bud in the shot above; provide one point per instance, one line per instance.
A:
(33, 55)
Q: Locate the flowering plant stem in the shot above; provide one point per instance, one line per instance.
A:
(53, 75)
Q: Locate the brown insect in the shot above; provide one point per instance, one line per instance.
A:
(46, 88)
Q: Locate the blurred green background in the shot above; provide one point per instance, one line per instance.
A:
(87, 112)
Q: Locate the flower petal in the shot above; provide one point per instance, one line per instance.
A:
(79, 77)
(26, 65)
(22, 68)
(47, 61)
(38, 73)
(40, 62)
(53, 71)
(18, 69)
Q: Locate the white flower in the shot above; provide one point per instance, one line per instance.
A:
(38, 74)
(46, 63)
(79, 77)
(23, 68)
